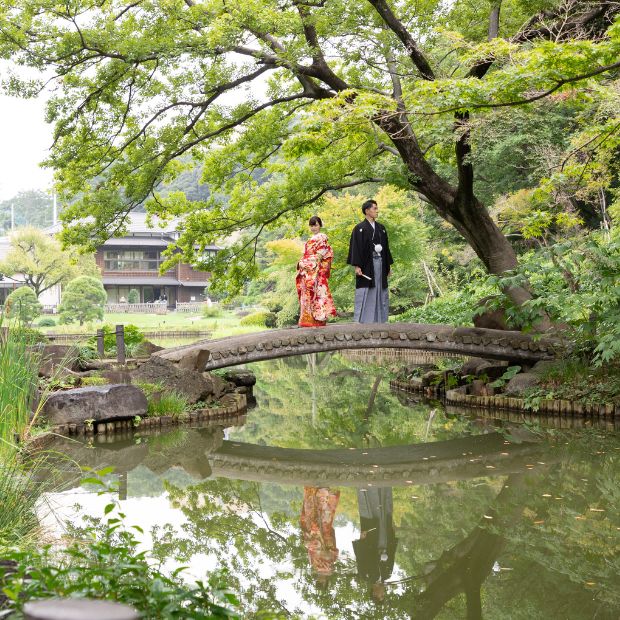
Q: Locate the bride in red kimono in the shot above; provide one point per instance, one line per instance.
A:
(315, 301)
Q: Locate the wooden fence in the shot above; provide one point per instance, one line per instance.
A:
(64, 338)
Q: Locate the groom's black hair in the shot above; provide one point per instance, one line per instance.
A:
(367, 205)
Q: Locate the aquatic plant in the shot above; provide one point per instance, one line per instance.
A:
(167, 403)
(19, 373)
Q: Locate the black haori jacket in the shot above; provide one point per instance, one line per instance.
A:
(360, 252)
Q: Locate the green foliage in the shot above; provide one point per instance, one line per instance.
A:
(133, 297)
(94, 381)
(42, 261)
(167, 403)
(22, 304)
(83, 300)
(46, 321)
(133, 338)
(456, 308)
(507, 376)
(19, 373)
(257, 318)
(112, 566)
(212, 312)
(576, 284)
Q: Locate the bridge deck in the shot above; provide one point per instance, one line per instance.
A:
(271, 344)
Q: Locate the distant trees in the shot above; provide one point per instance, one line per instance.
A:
(22, 304)
(30, 208)
(83, 300)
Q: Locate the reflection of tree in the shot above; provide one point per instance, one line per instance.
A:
(331, 402)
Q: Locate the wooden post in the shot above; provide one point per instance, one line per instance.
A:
(78, 609)
(100, 345)
(120, 344)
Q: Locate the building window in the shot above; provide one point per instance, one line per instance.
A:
(131, 260)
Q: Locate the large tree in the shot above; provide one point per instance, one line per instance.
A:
(320, 94)
(42, 262)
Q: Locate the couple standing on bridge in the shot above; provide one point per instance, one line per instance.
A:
(369, 254)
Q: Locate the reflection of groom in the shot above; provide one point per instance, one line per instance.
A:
(376, 547)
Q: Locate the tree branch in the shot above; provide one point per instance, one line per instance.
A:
(398, 28)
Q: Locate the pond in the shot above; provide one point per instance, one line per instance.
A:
(339, 498)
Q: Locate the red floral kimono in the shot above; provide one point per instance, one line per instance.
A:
(317, 527)
(315, 300)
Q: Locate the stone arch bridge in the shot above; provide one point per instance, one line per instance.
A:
(272, 344)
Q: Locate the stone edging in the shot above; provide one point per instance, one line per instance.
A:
(459, 397)
(233, 405)
(414, 386)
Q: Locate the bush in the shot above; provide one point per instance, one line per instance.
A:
(83, 300)
(258, 319)
(134, 296)
(133, 337)
(22, 304)
(212, 312)
(46, 321)
(452, 309)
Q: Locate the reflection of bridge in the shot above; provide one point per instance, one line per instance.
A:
(427, 463)
(204, 454)
(488, 343)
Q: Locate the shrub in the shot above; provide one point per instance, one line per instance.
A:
(134, 296)
(257, 318)
(167, 403)
(452, 309)
(133, 337)
(83, 300)
(212, 312)
(22, 304)
(46, 321)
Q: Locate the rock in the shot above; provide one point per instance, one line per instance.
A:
(470, 367)
(241, 378)
(218, 385)
(492, 370)
(105, 402)
(146, 349)
(542, 367)
(54, 356)
(478, 388)
(521, 382)
(191, 383)
(433, 378)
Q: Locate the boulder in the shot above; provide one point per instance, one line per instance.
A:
(470, 367)
(191, 383)
(491, 319)
(147, 348)
(540, 368)
(218, 385)
(240, 377)
(520, 383)
(55, 356)
(101, 402)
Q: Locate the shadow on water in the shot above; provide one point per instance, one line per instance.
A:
(340, 499)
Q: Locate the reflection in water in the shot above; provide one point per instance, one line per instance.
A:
(404, 513)
(317, 526)
(376, 547)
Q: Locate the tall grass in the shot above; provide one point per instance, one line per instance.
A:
(19, 374)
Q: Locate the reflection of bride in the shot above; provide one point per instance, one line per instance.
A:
(317, 527)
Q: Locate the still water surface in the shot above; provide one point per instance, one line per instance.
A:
(338, 498)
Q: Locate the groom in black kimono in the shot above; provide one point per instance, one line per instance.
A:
(369, 253)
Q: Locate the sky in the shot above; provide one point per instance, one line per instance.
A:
(25, 141)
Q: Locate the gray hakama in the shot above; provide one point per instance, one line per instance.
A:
(372, 304)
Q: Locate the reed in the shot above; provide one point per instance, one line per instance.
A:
(19, 375)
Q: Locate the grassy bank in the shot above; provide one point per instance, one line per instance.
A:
(227, 323)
